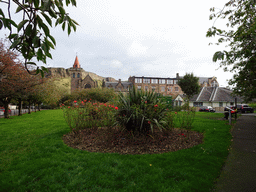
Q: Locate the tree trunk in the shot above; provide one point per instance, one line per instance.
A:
(39, 105)
(20, 106)
(29, 105)
(6, 108)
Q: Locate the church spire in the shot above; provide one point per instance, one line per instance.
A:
(76, 64)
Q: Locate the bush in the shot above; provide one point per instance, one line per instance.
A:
(96, 94)
(186, 118)
(141, 111)
(86, 114)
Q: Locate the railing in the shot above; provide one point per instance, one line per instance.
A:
(14, 112)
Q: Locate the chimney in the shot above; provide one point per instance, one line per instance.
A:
(177, 75)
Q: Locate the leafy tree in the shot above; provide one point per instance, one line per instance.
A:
(240, 37)
(189, 85)
(31, 35)
(17, 81)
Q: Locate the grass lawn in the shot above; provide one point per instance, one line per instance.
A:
(33, 157)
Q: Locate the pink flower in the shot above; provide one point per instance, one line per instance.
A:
(75, 101)
(116, 108)
(146, 102)
(149, 122)
(82, 102)
(155, 105)
(175, 112)
(68, 107)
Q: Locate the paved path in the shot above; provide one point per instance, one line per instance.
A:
(239, 172)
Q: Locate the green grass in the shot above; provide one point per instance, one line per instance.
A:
(33, 157)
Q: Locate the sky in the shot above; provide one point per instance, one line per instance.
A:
(117, 38)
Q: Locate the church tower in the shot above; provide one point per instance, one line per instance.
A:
(76, 75)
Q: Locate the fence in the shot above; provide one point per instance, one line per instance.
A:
(14, 112)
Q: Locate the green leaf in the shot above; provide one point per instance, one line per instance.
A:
(1, 13)
(49, 43)
(69, 29)
(36, 41)
(39, 54)
(49, 21)
(42, 73)
(12, 36)
(52, 13)
(21, 24)
(44, 69)
(73, 2)
(53, 40)
(62, 11)
(63, 26)
(36, 3)
(28, 30)
(15, 43)
(19, 8)
(45, 29)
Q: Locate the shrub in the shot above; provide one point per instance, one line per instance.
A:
(86, 114)
(141, 111)
(186, 118)
(96, 94)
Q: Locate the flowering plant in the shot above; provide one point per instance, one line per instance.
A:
(141, 111)
(86, 114)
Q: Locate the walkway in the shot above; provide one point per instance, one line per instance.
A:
(239, 172)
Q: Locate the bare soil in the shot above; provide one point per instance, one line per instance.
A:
(113, 140)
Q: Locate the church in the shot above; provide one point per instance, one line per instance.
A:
(82, 80)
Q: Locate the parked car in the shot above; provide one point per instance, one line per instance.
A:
(229, 107)
(206, 109)
(243, 108)
(2, 111)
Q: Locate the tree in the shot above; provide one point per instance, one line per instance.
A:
(31, 35)
(240, 37)
(189, 85)
(17, 81)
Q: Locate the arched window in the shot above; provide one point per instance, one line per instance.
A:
(74, 75)
(78, 75)
(87, 86)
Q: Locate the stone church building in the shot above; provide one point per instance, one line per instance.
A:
(81, 80)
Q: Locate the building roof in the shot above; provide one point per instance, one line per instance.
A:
(114, 84)
(76, 63)
(215, 94)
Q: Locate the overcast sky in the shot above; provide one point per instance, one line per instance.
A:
(118, 38)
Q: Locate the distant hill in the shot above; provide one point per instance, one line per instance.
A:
(62, 77)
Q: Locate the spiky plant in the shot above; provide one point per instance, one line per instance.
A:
(141, 111)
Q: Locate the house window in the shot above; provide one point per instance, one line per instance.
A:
(154, 81)
(220, 104)
(146, 88)
(175, 81)
(161, 81)
(139, 87)
(153, 88)
(138, 80)
(146, 80)
(162, 89)
(169, 89)
(169, 81)
(176, 88)
(74, 75)
(197, 104)
(78, 75)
